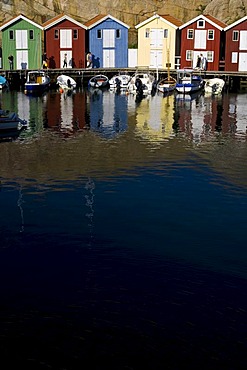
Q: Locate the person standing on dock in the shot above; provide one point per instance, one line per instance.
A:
(44, 61)
(89, 60)
(65, 61)
(11, 61)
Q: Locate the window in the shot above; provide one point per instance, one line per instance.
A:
(188, 54)
(75, 34)
(11, 34)
(118, 34)
(190, 34)
(234, 57)
(210, 56)
(165, 33)
(147, 32)
(99, 34)
(210, 34)
(56, 34)
(235, 35)
(31, 35)
(201, 23)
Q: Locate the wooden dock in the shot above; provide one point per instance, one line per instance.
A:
(82, 75)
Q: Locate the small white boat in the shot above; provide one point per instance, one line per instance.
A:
(98, 81)
(119, 81)
(214, 86)
(141, 83)
(188, 81)
(10, 121)
(167, 85)
(66, 83)
(37, 82)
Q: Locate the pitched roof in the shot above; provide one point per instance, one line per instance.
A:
(167, 18)
(100, 18)
(236, 23)
(208, 18)
(59, 18)
(17, 18)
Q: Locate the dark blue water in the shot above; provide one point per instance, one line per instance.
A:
(123, 234)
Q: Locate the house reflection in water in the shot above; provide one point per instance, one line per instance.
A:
(66, 112)
(201, 117)
(108, 112)
(155, 117)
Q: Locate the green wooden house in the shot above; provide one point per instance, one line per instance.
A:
(21, 38)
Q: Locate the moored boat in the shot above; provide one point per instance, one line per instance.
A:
(37, 82)
(167, 85)
(98, 81)
(188, 81)
(66, 83)
(119, 81)
(141, 83)
(214, 86)
(11, 121)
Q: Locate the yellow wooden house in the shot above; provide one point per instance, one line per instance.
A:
(158, 42)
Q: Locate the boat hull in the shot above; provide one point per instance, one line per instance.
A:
(10, 121)
(98, 81)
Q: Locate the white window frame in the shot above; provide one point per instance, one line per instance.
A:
(212, 34)
(210, 56)
(235, 32)
(189, 55)
(188, 32)
(234, 58)
(203, 23)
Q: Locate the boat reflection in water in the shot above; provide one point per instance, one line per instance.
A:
(197, 117)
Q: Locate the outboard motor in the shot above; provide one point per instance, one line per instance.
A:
(139, 86)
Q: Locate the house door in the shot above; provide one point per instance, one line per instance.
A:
(21, 39)
(108, 38)
(156, 58)
(108, 58)
(66, 39)
(200, 41)
(21, 59)
(66, 55)
(156, 38)
(242, 64)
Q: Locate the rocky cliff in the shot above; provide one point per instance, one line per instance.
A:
(130, 12)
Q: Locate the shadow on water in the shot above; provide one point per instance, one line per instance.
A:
(123, 227)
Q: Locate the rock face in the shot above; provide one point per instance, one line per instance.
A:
(130, 12)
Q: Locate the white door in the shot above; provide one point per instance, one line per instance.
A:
(108, 38)
(108, 58)
(65, 39)
(242, 64)
(243, 40)
(200, 39)
(21, 59)
(156, 58)
(21, 39)
(68, 57)
(156, 38)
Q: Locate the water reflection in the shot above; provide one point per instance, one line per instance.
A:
(108, 112)
(197, 118)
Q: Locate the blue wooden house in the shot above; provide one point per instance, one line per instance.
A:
(108, 41)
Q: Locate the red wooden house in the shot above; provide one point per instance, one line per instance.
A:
(64, 42)
(236, 46)
(202, 35)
